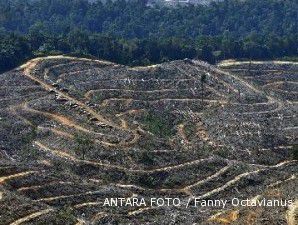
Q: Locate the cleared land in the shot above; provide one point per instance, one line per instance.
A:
(75, 131)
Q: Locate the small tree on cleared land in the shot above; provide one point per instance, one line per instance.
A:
(203, 81)
(83, 145)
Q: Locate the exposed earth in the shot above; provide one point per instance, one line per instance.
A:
(76, 131)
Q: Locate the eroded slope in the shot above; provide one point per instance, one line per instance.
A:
(75, 131)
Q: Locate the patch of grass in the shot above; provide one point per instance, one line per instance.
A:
(97, 98)
(295, 152)
(27, 151)
(190, 130)
(159, 123)
(223, 152)
(30, 136)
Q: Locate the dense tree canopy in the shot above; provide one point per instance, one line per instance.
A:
(129, 32)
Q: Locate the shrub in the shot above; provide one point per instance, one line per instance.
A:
(83, 144)
(65, 216)
(153, 180)
(147, 159)
(190, 130)
(159, 123)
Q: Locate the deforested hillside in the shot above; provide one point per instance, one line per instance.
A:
(277, 77)
(74, 132)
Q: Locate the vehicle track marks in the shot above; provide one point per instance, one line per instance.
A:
(238, 178)
(28, 67)
(31, 216)
(65, 155)
(13, 176)
(292, 213)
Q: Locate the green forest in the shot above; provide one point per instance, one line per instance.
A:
(132, 33)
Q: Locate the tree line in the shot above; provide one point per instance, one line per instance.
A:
(129, 32)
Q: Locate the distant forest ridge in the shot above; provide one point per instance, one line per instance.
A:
(130, 32)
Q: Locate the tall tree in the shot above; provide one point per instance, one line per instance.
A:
(203, 81)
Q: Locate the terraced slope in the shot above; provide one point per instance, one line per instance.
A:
(75, 131)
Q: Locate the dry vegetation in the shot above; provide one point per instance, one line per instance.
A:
(74, 131)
